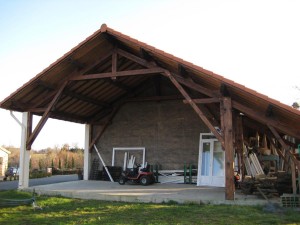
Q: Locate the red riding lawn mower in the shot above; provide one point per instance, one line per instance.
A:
(137, 176)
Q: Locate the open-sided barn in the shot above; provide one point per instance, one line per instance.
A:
(132, 95)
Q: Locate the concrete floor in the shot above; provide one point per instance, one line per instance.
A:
(156, 193)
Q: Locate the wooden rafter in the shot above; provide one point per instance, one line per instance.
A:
(265, 120)
(260, 117)
(114, 64)
(153, 70)
(52, 89)
(136, 59)
(118, 84)
(197, 87)
(155, 98)
(195, 107)
(85, 98)
(45, 116)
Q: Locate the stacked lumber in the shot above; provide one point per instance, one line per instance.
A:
(252, 165)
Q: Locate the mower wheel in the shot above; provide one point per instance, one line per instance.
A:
(122, 180)
(145, 180)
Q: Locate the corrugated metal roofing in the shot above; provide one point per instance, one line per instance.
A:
(84, 100)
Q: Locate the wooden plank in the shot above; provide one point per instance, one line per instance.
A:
(229, 150)
(153, 70)
(45, 117)
(273, 145)
(195, 107)
(204, 100)
(284, 146)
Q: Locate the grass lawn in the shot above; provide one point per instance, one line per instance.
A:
(59, 210)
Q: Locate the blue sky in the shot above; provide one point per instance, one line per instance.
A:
(255, 43)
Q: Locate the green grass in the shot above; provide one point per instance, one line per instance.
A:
(59, 210)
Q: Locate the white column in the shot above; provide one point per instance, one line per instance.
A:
(24, 155)
(87, 154)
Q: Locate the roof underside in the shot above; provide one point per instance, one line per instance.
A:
(108, 51)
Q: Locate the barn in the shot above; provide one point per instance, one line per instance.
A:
(139, 100)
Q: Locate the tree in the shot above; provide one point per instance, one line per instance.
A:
(296, 105)
(73, 163)
(59, 163)
(30, 164)
(40, 164)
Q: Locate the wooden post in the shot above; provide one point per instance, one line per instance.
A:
(294, 185)
(226, 114)
(239, 141)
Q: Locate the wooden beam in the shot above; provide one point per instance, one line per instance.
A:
(136, 59)
(182, 71)
(155, 98)
(52, 88)
(36, 110)
(242, 108)
(204, 100)
(153, 70)
(145, 55)
(196, 87)
(101, 131)
(284, 146)
(239, 143)
(29, 126)
(226, 113)
(272, 143)
(224, 90)
(114, 64)
(265, 120)
(45, 117)
(195, 107)
(118, 84)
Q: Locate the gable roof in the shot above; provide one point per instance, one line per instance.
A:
(84, 100)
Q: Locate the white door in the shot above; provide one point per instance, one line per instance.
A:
(211, 170)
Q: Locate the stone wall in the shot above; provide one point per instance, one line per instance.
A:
(169, 130)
